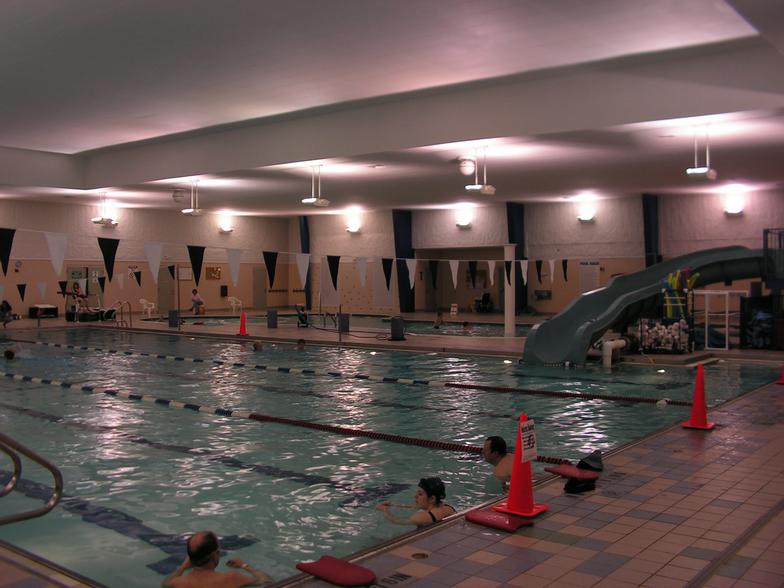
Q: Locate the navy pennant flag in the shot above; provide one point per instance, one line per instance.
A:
(271, 261)
(564, 266)
(196, 253)
(539, 270)
(6, 240)
(386, 263)
(508, 268)
(138, 276)
(334, 266)
(109, 251)
(102, 283)
(63, 286)
(171, 269)
(22, 288)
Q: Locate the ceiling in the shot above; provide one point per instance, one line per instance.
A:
(134, 98)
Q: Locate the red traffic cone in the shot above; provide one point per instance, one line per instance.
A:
(780, 381)
(243, 331)
(521, 495)
(699, 416)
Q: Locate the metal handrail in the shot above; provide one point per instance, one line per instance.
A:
(9, 445)
(17, 470)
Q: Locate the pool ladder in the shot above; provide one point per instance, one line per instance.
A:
(12, 449)
(119, 316)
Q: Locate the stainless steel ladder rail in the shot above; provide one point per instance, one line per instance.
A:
(119, 316)
(12, 448)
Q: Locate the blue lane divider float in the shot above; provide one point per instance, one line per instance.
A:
(374, 378)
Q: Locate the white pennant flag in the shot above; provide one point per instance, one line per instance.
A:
(234, 264)
(120, 277)
(361, 264)
(42, 289)
(303, 264)
(552, 270)
(57, 243)
(154, 252)
(491, 270)
(524, 270)
(411, 263)
(453, 263)
(83, 284)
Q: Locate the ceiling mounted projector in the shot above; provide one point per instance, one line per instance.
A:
(314, 199)
(194, 209)
(321, 202)
(104, 221)
(484, 189)
(701, 173)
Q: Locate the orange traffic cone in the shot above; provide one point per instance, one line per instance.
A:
(780, 381)
(521, 495)
(243, 331)
(699, 416)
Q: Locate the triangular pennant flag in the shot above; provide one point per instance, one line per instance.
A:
(564, 266)
(171, 269)
(271, 261)
(551, 263)
(539, 270)
(121, 280)
(234, 256)
(21, 288)
(508, 270)
(334, 266)
(472, 273)
(2, 292)
(524, 271)
(303, 265)
(453, 265)
(42, 289)
(361, 265)
(386, 263)
(83, 284)
(411, 263)
(63, 287)
(196, 253)
(491, 270)
(433, 263)
(57, 243)
(6, 241)
(154, 253)
(102, 283)
(109, 251)
(138, 276)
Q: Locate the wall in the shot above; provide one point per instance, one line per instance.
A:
(433, 229)
(691, 222)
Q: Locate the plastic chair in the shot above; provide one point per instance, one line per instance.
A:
(236, 304)
(147, 307)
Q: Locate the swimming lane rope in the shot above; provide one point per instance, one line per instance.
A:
(373, 378)
(264, 418)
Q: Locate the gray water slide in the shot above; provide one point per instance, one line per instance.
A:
(568, 335)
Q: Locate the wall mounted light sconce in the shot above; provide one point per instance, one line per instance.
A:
(734, 199)
(106, 217)
(463, 224)
(225, 229)
(464, 215)
(353, 217)
(586, 213)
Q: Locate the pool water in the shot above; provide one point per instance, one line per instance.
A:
(139, 476)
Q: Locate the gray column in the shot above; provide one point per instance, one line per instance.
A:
(509, 294)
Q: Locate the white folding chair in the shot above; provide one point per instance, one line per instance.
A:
(147, 307)
(236, 304)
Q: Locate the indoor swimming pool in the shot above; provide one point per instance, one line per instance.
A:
(141, 476)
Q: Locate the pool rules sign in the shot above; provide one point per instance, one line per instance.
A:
(528, 440)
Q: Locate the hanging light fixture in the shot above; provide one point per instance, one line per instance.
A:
(194, 209)
(701, 172)
(484, 188)
(104, 219)
(315, 198)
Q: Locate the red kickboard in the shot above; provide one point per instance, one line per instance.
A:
(570, 471)
(338, 571)
(497, 520)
